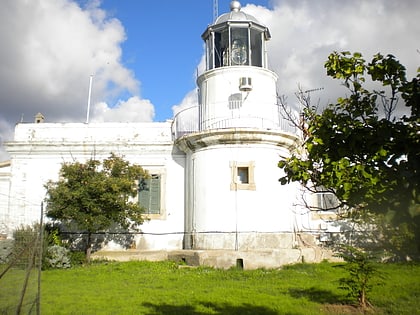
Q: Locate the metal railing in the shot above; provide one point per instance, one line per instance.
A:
(188, 121)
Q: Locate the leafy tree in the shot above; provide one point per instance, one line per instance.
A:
(367, 157)
(95, 196)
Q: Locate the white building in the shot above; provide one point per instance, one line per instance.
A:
(214, 166)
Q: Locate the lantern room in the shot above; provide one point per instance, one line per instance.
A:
(236, 39)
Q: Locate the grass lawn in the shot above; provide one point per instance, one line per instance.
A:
(165, 288)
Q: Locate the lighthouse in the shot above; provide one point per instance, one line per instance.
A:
(233, 199)
(213, 197)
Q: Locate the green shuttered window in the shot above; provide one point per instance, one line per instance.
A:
(149, 194)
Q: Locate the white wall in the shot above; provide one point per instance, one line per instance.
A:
(267, 208)
(4, 196)
(38, 150)
(255, 108)
(218, 215)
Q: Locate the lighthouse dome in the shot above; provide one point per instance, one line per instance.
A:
(236, 39)
(235, 14)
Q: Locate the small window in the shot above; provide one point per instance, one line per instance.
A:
(327, 201)
(150, 194)
(326, 204)
(242, 175)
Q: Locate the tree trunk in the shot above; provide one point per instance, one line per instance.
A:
(362, 299)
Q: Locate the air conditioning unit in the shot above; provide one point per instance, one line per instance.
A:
(245, 84)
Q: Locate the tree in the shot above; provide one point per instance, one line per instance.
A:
(362, 272)
(95, 196)
(368, 158)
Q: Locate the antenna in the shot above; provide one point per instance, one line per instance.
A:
(215, 10)
(90, 93)
(313, 90)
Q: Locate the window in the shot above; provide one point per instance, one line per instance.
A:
(231, 47)
(326, 205)
(242, 175)
(221, 49)
(150, 194)
(327, 201)
(256, 48)
(239, 46)
(235, 44)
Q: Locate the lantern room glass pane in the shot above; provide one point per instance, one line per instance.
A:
(235, 44)
(239, 46)
(256, 48)
(210, 52)
(221, 48)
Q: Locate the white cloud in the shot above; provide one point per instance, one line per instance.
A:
(7, 133)
(188, 121)
(190, 100)
(49, 50)
(132, 110)
(304, 33)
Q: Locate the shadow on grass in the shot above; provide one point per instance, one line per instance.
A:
(217, 309)
(318, 295)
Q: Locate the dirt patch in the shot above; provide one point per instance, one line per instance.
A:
(346, 309)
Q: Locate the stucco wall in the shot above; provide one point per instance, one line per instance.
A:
(4, 196)
(38, 150)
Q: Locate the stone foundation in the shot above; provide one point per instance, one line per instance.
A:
(225, 259)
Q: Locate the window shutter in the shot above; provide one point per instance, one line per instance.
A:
(154, 207)
(149, 194)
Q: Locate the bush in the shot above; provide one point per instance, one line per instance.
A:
(77, 258)
(26, 246)
(57, 257)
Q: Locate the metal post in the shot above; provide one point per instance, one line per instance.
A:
(89, 96)
(41, 243)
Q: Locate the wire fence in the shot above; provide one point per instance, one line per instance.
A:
(20, 270)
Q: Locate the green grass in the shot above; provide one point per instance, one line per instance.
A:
(165, 288)
(12, 291)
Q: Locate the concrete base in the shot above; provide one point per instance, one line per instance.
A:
(225, 259)
(244, 241)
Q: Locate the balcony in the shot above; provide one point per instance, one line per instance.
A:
(189, 120)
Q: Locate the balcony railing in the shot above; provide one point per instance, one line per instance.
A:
(188, 121)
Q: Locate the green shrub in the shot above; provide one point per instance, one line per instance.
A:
(77, 258)
(53, 235)
(57, 257)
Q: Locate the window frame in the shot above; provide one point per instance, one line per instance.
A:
(162, 185)
(236, 183)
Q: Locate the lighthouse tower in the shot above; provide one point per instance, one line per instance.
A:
(233, 199)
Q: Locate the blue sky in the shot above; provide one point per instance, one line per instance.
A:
(144, 53)
(164, 45)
